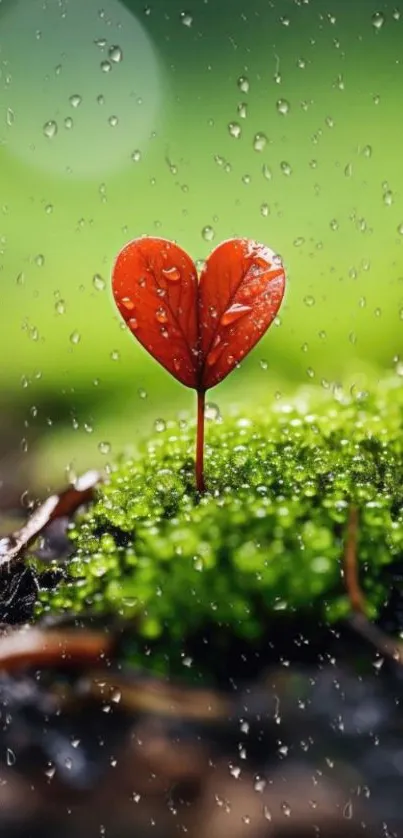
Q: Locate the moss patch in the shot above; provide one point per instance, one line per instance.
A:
(269, 534)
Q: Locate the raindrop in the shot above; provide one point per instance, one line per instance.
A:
(50, 129)
(104, 447)
(49, 209)
(60, 306)
(173, 274)
(208, 233)
(234, 313)
(286, 808)
(283, 107)
(348, 810)
(75, 100)
(100, 42)
(348, 171)
(260, 141)
(98, 282)
(309, 300)
(115, 54)
(159, 425)
(115, 354)
(378, 19)
(329, 122)
(243, 84)
(265, 210)
(400, 229)
(68, 122)
(10, 757)
(367, 151)
(113, 121)
(40, 260)
(212, 412)
(286, 168)
(142, 393)
(396, 14)
(334, 224)
(187, 19)
(242, 110)
(264, 364)
(266, 172)
(399, 369)
(161, 315)
(106, 66)
(298, 241)
(136, 156)
(101, 99)
(21, 276)
(301, 63)
(259, 784)
(388, 198)
(235, 130)
(75, 337)
(10, 116)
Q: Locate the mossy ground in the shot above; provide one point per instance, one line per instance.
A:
(268, 535)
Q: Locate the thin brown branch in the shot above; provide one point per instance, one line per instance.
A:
(350, 565)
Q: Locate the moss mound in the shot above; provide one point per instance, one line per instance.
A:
(269, 534)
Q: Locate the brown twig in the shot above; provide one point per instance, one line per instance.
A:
(350, 565)
(46, 648)
(57, 506)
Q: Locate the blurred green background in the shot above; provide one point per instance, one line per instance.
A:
(280, 121)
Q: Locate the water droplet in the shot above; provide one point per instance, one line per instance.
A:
(234, 313)
(142, 393)
(348, 810)
(187, 19)
(399, 369)
(40, 260)
(266, 172)
(309, 300)
(367, 151)
(208, 233)
(50, 129)
(286, 808)
(75, 100)
(172, 274)
(259, 141)
(215, 352)
(68, 122)
(334, 224)
(10, 117)
(115, 54)
(104, 447)
(285, 168)
(235, 129)
(242, 110)
(49, 209)
(396, 14)
(159, 425)
(348, 171)
(388, 198)
(136, 156)
(301, 63)
(243, 84)
(161, 315)
(298, 241)
(100, 99)
(60, 306)
(212, 412)
(378, 19)
(98, 282)
(113, 121)
(283, 106)
(75, 337)
(106, 66)
(21, 276)
(265, 210)
(115, 354)
(10, 757)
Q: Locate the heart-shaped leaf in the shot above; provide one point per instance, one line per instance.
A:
(198, 331)
(240, 293)
(155, 289)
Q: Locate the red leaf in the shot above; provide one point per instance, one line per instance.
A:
(240, 293)
(198, 332)
(155, 289)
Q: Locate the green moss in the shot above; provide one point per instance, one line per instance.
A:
(269, 534)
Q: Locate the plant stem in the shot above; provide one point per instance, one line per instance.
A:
(200, 484)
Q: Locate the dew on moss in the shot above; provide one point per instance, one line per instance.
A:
(268, 534)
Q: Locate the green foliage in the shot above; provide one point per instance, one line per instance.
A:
(269, 534)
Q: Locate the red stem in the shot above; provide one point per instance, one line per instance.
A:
(201, 486)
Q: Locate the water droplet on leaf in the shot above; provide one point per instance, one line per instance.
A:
(208, 233)
(50, 129)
